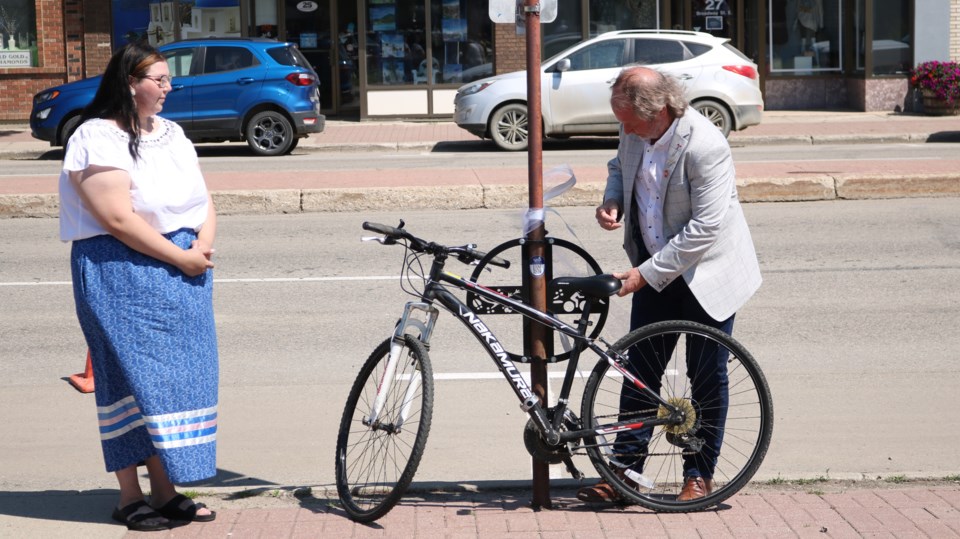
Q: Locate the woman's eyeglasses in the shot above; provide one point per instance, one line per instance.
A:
(161, 81)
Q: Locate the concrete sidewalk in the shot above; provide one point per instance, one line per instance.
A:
(244, 193)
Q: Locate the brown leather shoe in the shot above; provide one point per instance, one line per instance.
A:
(602, 492)
(694, 488)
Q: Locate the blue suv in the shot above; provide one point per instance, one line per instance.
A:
(256, 90)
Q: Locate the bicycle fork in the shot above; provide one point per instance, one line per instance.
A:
(420, 328)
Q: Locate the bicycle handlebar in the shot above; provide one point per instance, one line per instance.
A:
(464, 253)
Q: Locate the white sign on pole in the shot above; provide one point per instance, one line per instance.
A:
(505, 11)
(548, 10)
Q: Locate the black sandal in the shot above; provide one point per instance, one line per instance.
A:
(136, 519)
(182, 508)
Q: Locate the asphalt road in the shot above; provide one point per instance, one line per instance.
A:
(591, 152)
(857, 327)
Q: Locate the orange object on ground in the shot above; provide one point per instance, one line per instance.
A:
(84, 381)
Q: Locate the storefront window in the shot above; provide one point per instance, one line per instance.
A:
(891, 36)
(610, 15)
(564, 31)
(396, 51)
(804, 36)
(18, 34)
(461, 43)
(459, 48)
(164, 22)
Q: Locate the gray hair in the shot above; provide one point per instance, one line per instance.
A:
(646, 92)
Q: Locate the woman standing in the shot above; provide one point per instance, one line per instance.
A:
(134, 203)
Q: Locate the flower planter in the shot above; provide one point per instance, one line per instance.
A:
(934, 106)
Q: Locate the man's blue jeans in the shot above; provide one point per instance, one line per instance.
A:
(706, 365)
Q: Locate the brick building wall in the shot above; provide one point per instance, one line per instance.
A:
(510, 49)
(73, 42)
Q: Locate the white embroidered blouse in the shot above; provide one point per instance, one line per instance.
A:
(166, 189)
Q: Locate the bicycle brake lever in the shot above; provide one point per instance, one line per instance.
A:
(379, 239)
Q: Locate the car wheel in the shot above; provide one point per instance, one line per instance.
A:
(717, 114)
(68, 128)
(508, 127)
(269, 133)
(293, 146)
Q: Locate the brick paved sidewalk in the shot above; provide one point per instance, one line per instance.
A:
(924, 510)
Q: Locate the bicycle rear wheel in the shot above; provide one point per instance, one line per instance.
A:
(647, 465)
(376, 460)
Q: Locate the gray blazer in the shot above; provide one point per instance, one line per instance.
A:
(709, 242)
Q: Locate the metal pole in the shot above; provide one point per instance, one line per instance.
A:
(537, 293)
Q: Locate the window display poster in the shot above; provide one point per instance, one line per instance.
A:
(452, 72)
(18, 33)
(451, 9)
(393, 71)
(391, 45)
(308, 40)
(454, 29)
(383, 18)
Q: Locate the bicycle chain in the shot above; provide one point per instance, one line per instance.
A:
(635, 413)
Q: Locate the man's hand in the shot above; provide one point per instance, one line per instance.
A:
(608, 215)
(631, 281)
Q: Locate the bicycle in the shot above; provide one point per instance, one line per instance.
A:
(386, 420)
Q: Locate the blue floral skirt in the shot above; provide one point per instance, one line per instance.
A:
(153, 345)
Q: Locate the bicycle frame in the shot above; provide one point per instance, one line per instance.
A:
(434, 291)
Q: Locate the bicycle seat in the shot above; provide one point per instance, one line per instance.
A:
(596, 286)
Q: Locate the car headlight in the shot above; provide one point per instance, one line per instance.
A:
(474, 88)
(45, 96)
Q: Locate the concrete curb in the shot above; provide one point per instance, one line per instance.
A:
(292, 201)
(33, 150)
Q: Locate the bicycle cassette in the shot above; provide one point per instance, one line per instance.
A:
(686, 409)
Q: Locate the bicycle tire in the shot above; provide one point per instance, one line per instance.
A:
(746, 435)
(376, 465)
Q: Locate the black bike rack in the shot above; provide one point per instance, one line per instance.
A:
(560, 300)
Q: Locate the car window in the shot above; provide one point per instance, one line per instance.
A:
(658, 51)
(602, 55)
(180, 61)
(221, 59)
(696, 49)
(288, 56)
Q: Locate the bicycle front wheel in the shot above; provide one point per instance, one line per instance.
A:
(384, 429)
(726, 405)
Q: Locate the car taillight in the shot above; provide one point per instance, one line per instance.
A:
(301, 79)
(747, 71)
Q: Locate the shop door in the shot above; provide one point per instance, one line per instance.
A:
(310, 24)
(717, 17)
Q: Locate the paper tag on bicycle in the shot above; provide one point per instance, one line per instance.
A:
(537, 266)
(639, 478)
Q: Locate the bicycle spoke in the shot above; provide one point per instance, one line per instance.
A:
(658, 456)
(375, 460)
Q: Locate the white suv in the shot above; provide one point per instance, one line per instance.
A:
(720, 81)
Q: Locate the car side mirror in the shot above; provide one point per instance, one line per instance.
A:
(563, 65)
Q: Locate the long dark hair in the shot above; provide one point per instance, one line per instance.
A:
(113, 100)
